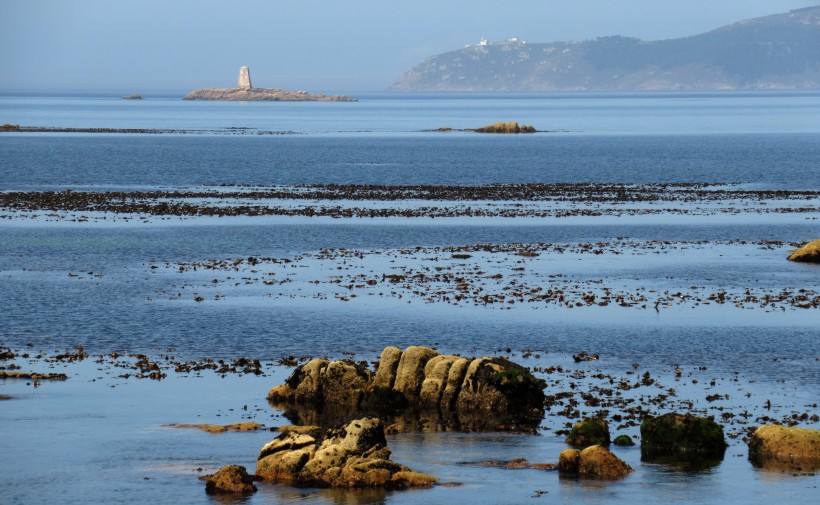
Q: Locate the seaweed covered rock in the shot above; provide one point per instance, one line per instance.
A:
(354, 456)
(776, 447)
(595, 461)
(446, 391)
(682, 436)
(593, 431)
(623, 441)
(809, 253)
(230, 479)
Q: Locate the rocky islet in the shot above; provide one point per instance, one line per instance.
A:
(448, 391)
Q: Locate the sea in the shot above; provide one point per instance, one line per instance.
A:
(114, 285)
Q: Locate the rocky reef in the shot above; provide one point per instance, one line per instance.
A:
(221, 428)
(789, 449)
(809, 253)
(262, 94)
(419, 389)
(354, 456)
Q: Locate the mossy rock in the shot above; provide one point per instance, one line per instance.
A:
(588, 432)
(623, 441)
(809, 253)
(682, 435)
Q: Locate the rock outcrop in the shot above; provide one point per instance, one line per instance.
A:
(595, 461)
(230, 479)
(355, 456)
(776, 447)
(588, 432)
(809, 253)
(262, 94)
(450, 392)
(699, 441)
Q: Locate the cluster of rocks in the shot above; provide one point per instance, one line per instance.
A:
(354, 456)
(449, 391)
(419, 380)
(678, 439)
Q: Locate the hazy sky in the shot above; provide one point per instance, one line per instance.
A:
(316, 45)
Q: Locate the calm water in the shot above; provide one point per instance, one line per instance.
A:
(759, 140)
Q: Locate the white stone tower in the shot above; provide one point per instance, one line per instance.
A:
(244, 78)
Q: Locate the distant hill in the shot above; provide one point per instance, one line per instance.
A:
(773, 52)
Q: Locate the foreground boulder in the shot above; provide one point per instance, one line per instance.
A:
(809, 253)
(230, 479)
(588, 432)
(776, 447)
(595, 461)
(697, 440)
(447, 392)
(355, 456)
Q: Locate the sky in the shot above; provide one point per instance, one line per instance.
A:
(313, 45)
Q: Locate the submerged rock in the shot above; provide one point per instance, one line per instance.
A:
(221, 428)
(697, 441)
(230, 479)
(595, 461)
(809, 253)
(624, 441)
(355, 456)
(447, 392)
(594, 431)
(776, 447)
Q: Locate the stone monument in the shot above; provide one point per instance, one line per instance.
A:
(244, 78)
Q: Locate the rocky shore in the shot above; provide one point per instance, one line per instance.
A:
(262, 94)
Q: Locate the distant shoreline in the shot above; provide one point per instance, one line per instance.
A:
(146, 131)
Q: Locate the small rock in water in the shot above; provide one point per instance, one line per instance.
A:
(230, 479)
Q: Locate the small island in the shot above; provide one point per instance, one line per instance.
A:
(244, 92)
(132, 96)
(498, 127)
